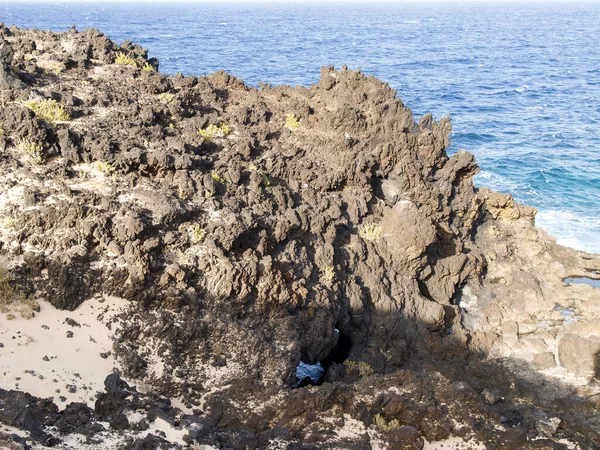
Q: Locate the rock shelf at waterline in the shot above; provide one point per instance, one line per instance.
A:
(241, 231)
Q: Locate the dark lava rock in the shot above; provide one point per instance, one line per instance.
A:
(405, 437)
(119, 422)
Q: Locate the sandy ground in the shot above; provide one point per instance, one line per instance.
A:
(39, 357)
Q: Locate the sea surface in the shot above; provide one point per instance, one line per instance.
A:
(521, 82)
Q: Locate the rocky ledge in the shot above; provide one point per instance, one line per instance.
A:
(247, 230)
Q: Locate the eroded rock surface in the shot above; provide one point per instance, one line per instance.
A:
(247, 225)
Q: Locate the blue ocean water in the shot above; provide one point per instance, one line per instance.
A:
(521, 82)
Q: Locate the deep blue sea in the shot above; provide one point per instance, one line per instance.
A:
(521, 82)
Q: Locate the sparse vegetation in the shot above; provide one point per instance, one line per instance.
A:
(197, 233)
(166, 97)
(12, 300)
(181, 194)
(147, 67)
(55, 68)
(32, 149)
(383, 425)
(254, 168)
(104, 167)
(370, 231)
(124, 60)
(216, 177)
(213, 131)
(48, 110)
(327, 274)
(364, 369)
(291, 122)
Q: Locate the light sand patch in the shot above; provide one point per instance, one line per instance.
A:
(39, 358)
(454, 443)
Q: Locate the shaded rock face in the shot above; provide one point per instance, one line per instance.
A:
(246, 225)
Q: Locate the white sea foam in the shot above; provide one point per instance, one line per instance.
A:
(570, 229)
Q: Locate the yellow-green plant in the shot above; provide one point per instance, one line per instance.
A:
(55, 68)
(48, 110)
(350, 365)
(213, 131)
(383, 425)
(166, 97)
(181, 194)
(364, 369)
(216, 177)
(370, 231)
(104, 167)
(198, 234)
(11, 298)
(31, 148)
(254, 168)
(327, 274)
(124, 60)
(291, 122)
(147, 67)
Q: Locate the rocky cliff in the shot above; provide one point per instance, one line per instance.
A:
(251, 229)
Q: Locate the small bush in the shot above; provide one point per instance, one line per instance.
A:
(124, 60)
(327, 274)
(291, 122)
(216, 177)
(166, 97)
(104, 167)
(383, 425)
(147, 67)
(370, 231)
(198, 234)
(213, 131)
(364, 369)
(254, 168)
(32, 149)
(48, 110)
(13, 300)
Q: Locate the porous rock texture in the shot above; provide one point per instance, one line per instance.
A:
(307, 210)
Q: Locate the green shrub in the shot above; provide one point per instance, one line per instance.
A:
(370, 231)
(212, 131)
(124, 60)
(104, 167)
(216, 177)
(147, 67)
(383, 425)
(327, 274)
(291, 122)
(32, 149)
(198, 234)
(48, 110)
(166, 97)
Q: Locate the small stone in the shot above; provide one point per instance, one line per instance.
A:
(489, 398)
(63, 398)
(71, 322)
(119, 422)
(69, 334)
(45, 358)
(1, 345)
(71, 388)
(546, 427)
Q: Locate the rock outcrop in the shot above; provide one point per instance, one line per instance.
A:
(247, 225)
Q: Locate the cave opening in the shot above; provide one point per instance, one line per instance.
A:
(314, 374)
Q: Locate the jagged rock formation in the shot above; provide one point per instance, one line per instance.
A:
(245, 225)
